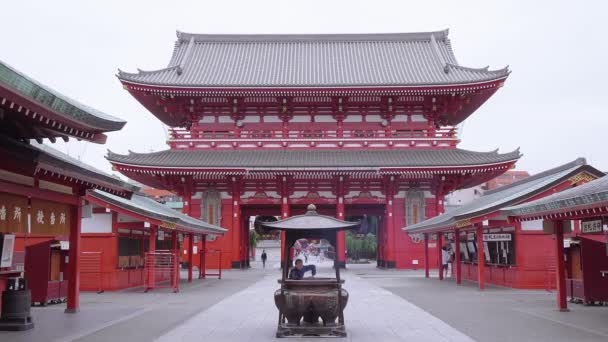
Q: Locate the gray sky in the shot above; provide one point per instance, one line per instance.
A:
(552, 105)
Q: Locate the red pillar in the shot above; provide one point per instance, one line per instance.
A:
(439, 256)
(285, 212)
(456, 265)
(481, 263)
(73, 305)
(562, 304)
(190, 255)
(151, 249)
(426, 255)
(340, 212)
(389, 225)
(187, 200)
(237, 242)
(203, 251)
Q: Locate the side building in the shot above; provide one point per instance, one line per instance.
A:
(490, 248)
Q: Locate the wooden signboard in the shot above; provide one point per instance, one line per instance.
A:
(13, 213)
(593, 226)
(50, 218)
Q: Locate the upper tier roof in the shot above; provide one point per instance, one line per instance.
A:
(320, 60)
(55, 103)
(269, 159)
(496, 199)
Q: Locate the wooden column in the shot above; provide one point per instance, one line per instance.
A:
(439, 256)
(187, 199)
(341, 235)
(285, 211)
(236, 224)
(151, 249)
(190, 255)
(457, 267)
(481, 262)
(203, 251)
(73, 305)
(390, 223)
(426, 255)
(560, 273)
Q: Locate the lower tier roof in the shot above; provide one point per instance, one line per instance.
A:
(43, 159)
(148, 207)
(269, 159)
(587, 196)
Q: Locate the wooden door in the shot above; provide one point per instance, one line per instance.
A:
(575, 262)
(55, 264)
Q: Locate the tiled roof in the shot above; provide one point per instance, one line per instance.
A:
(49, 160)
(312, 158)
(507, 195)
(150, 208)
(589, 195)
(21, 84)
(331, 60)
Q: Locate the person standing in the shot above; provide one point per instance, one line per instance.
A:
(445, 259)
(264, 257)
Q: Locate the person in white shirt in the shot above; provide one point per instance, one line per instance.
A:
(446, 256)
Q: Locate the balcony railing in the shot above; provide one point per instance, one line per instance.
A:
(178, 134)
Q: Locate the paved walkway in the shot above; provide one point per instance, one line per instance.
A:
(372, 314)
(385, 305)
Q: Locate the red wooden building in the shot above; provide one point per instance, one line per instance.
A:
(121, 232)
(582, 267)
(41, 189)
(515, 254)
(354, 123)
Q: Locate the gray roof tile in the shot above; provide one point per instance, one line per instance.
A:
(150, 208)
(47, 159)
(504, 196)
(54, 101)
(336, 60)
(313, 158)
(591, 194)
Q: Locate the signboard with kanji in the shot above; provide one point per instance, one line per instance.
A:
(50, 218)
(13, 213)
(591, 226)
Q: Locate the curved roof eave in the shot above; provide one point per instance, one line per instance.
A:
(56, 102)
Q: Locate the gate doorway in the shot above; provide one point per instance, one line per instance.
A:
(367, 245)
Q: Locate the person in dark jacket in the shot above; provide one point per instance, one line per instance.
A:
(264, 257)
(297, 273)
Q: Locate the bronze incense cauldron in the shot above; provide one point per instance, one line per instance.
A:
(310, 306)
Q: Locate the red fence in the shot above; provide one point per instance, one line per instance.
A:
(203, 269)
(161, 270)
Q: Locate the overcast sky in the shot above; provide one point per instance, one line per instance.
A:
(553, 105)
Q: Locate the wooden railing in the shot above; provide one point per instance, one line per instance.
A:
(179, 134)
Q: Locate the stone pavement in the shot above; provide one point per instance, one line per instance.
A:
(496, 314)
(131, 315)
(372, 314)
(385, 305)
